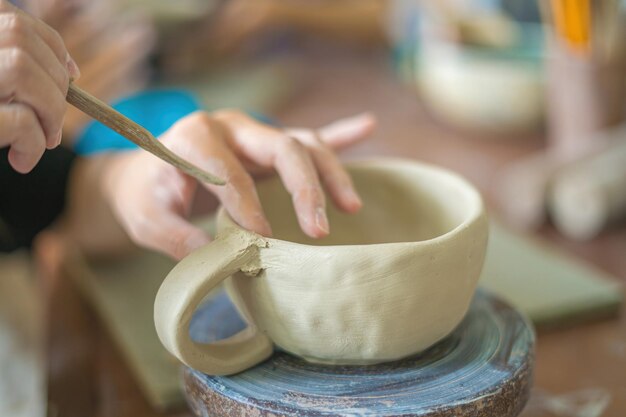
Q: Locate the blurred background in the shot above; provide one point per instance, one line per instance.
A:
(525, 98)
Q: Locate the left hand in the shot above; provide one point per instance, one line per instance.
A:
(35, 70)
(152, 199)
(111, 49)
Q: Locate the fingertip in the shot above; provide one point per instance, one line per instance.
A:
(265, 229)
(361, 121)
(72, 68)
(352, 206)
(310, 209)
(22, 162)
(367, 118)
(350, 130)
(316, 225)
(314, 232)
(317, 233)
(55, 140)
(260, 225)
(365, 123)
(350, 201)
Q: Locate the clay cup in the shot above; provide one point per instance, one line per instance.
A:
(388, 282)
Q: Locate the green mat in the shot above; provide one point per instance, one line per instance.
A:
(550, 287)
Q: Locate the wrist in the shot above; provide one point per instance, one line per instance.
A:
(108, 169)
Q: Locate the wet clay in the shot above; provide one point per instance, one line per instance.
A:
(386, 283)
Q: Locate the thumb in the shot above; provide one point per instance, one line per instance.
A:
(169, 233)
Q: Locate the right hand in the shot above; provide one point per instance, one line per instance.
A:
(35, 71)
(151, 199)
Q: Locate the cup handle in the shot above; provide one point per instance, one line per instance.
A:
(184, 289)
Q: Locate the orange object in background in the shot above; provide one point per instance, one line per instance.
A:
(572, 21)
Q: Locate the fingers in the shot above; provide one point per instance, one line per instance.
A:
(297, 171)
(200, 140)
(151, 198)
(345, 132)
(333, 175)
(271, 148)
(19, 128)
(33, 71)
(336, 135)
(17, 35)
(22, 79)
(21, 22)
(54, 41)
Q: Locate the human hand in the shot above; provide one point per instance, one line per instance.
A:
(152, 199)
(111, 48)
(35, 69)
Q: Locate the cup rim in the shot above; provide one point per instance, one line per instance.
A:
(474, 213)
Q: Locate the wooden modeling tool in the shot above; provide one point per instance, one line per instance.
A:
(137, 134)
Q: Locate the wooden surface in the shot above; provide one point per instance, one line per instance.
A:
(483, 369)
(88, 377)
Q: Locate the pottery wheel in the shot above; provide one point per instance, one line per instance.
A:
(484, 368)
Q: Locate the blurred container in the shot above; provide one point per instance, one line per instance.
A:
(497, 87)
